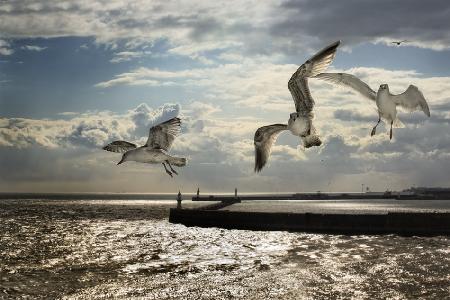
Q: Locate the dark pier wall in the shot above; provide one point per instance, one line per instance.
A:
(399, 223)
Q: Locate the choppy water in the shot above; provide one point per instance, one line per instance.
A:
(127, 249)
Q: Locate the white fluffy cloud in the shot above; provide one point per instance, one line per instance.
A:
(91, 130)
(33, 48)
(128, 55)
(5, 48)
(220, 152)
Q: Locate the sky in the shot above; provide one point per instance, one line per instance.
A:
(76, 75)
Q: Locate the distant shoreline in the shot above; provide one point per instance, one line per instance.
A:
(422, 194)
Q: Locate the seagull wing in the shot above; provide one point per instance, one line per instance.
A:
(264, 138)
(412, 99)
(351, 81)
(119, 146)
(298, 83)
(162, 135)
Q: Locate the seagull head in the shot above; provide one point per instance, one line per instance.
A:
(294, 116)
(384, 86)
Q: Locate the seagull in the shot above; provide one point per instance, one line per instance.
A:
(412, 99)
(399, 42)
(300, 121)
(156, 149)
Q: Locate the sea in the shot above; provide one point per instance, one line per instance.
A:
(92, 247)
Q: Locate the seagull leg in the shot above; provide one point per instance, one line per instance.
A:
(390, 132)
(167, 171)
(375, 127)
(171, 169)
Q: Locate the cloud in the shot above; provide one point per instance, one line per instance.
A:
(5, 48)
(33, 48)
(128, 55)
(249, 28)
(365, 21)
(89, 130)
(221, 152)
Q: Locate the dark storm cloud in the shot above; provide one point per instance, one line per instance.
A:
(356, 21)
(265, 28)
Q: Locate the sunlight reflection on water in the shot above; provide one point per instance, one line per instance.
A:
(79, 250)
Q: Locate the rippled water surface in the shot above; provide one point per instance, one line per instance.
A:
(127, 249)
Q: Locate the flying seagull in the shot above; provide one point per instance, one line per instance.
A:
(156, 149)
(412, 99)
(399, 42)
(300, 121)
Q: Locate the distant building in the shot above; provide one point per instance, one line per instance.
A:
(431, 192)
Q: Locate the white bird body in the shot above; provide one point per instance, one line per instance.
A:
(152, 156)
(299, 126)
(412, 99)
(387, 109)
(155, 151)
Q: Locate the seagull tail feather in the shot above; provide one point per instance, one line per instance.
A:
(178, 161)
(311, 140)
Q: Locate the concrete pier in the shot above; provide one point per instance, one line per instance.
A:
(398, 223)
(412, 217)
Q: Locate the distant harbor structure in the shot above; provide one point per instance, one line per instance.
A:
(413, 193)
(179, 199)
(407, 217)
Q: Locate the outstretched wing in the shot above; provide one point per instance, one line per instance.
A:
(162, 135)
(264, 138)
(119, 146)
(412, 99)
(298, 84)
(351, 81)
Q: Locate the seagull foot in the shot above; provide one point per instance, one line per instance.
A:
(374, 130)
(390, 134)
(173, 171)
(170, 174)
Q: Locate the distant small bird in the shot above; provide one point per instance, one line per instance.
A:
(300, 122)
(399, 42)
(412, 99)
(156, 149)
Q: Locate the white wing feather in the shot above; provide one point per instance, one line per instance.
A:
(351, 81)
(412, 99)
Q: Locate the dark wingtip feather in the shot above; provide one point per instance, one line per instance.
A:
(259, 163)
(174, 120)
(328, 49)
